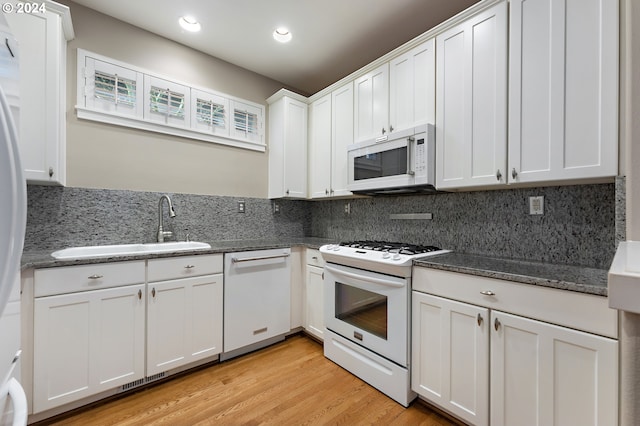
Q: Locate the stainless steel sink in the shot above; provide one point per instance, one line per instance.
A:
(127, 249)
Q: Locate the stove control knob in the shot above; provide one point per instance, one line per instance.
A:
(396, 256)
(386, 255)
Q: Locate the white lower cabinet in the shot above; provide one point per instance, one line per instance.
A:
(314, 294)
(89, 324)
(87, 341)
(489, 367)
(542, 374)
(450, 356)
(184, 311)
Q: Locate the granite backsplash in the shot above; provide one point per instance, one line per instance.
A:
(580, 226)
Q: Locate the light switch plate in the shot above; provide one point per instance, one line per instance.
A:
(536, 205)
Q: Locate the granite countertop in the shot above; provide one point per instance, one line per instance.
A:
(565, 277)
(43, 259)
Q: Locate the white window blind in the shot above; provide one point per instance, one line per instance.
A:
(245, 122)
(211, 113)
(167, 102)
(114, 88)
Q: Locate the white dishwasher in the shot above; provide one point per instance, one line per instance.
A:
(257, 299)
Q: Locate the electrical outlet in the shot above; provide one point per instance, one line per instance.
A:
(241, 207)
(276, 208)
(536, 205)
(347, 208)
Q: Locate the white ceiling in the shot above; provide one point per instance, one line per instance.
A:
(331, 38)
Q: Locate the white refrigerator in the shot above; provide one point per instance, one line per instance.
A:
(13, 208)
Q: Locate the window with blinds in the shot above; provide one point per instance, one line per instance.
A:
(167, 102)
(116, 89)
(210, 113)
(245, 122)
(114, 92)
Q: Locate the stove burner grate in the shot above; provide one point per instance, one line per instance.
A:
(391, 247)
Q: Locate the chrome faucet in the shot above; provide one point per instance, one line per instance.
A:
(162, 234)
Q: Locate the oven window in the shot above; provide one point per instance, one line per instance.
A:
(363, 309)
(380, 164)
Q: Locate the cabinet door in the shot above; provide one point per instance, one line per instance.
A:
(295, 158)
(450, 356)
(320, 148)
(542, 374)
(471, 100)
(412, 84)
(287, 148)
(184, 321)
(563, 74)
(85, 343)
(342, 137)
(371, 109)
(42, 128)
(314, 314)
(204, 332)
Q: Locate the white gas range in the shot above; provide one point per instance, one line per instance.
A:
(367, 300)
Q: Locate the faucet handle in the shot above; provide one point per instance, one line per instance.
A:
(187, 238)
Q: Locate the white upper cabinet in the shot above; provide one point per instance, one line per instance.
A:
(42, 39)
(471, 101)
(287, 145)
(341, 137)
(563, 94)
(320, 148)
(331, 132)
(412, 77)
(371, 109)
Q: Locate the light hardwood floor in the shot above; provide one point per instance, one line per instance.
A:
(290, 383)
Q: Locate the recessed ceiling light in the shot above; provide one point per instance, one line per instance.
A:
(190, 23)
(282, 35)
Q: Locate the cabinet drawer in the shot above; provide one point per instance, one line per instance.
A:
(580, 311)
(70, 279)
(314, 258)
(184, 266)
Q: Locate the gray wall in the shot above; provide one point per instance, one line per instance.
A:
(113, 157)
(578, 227)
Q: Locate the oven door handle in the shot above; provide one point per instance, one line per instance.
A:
(375, 280)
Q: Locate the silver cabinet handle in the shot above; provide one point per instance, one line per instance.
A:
(50, 171)
(480, 319)
(384, 131)
(498, 175)
(390, 128)
(94, 277)
(514, 174)
(260, 330)
(251, 259)
(314, 257)
(487, 293)
(153, 292)
(287, 192)
(496, 324)
(326, 192)
(189, 266)
(139, 294)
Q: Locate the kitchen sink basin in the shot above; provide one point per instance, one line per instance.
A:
(127, 249)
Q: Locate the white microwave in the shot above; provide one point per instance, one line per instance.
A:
(402, 162)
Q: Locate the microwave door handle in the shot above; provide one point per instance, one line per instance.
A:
(410, 144)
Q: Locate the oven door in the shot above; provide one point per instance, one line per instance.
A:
(368, 308)
(388, 164)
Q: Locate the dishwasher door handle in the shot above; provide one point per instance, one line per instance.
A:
(252, 259)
